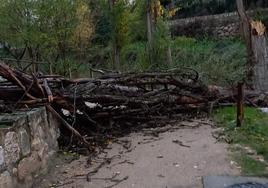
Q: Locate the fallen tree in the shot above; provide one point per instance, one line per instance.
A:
(114, 103)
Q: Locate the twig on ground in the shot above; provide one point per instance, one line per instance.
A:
(117, 182)
(63, 184)
(95, 170)
(180, 143)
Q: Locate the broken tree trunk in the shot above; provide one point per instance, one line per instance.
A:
(247, 35)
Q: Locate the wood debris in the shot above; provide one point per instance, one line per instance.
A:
(95, 110)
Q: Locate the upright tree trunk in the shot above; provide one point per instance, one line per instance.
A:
(152, 19)
(169, 55)
(246, 28)
(149, 22)
(116, 56)
(169, 51)
(116, 51)
(155, 18)
(32, 57)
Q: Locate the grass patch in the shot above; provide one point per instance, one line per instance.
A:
(219, 62)
(253, 133)
(249, 165)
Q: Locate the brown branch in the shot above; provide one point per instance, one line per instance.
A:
(68, 126)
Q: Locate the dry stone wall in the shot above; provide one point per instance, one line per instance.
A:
(28, 140)
(218, 26)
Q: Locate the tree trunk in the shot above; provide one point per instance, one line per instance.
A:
(246, 28)
(116, 56)
(260, 49)
(169, 55)
(116, 51)
(31, 56)
(155, 15)
(149, 22)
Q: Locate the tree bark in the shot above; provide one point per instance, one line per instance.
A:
(149, 22)
(169, 55)
(115, 50)
(247, 35)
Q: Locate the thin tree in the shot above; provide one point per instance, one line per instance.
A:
(149, 22)
(247, 35)
(115, 48)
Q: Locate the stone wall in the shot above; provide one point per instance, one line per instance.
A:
(218, 26)
(28, 140)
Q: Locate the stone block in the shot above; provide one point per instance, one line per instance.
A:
(15, 172)
(43, 151)
(44, 117)
(24, 142)
(52, 140)
(29, 166)
(27, 146)
(6, 180)
(12, 149)
(34, 120)
(37, 144)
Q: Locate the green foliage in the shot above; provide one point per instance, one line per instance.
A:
(57, 24)
(139, 56)
(259, 16)
(49, 29)
(103, 24)
(120, 23)
(16, 21)
(160, 43)
(217, 61)
(3, 54)
(249, 165)
(253, 133)
(60, 32)
(138, 21)
(135, 57)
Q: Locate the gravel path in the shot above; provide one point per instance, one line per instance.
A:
(174, 159)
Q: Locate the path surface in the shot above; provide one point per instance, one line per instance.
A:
(175, 159)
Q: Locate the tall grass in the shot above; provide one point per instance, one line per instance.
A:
(217, 61)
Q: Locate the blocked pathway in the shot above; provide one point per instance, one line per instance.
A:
(174, 159)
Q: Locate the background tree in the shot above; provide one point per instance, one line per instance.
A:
(48, 29)
(119, 17)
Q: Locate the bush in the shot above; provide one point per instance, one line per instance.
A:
(219, 62)
(135, 57)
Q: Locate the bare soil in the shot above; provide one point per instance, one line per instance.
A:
(177, 158)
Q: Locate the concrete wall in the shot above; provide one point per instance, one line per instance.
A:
(28, 140)
(222, 25)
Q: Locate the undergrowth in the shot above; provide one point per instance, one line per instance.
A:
(219, 62)
(253, 134)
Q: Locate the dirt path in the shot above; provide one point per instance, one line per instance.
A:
(175, 159)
